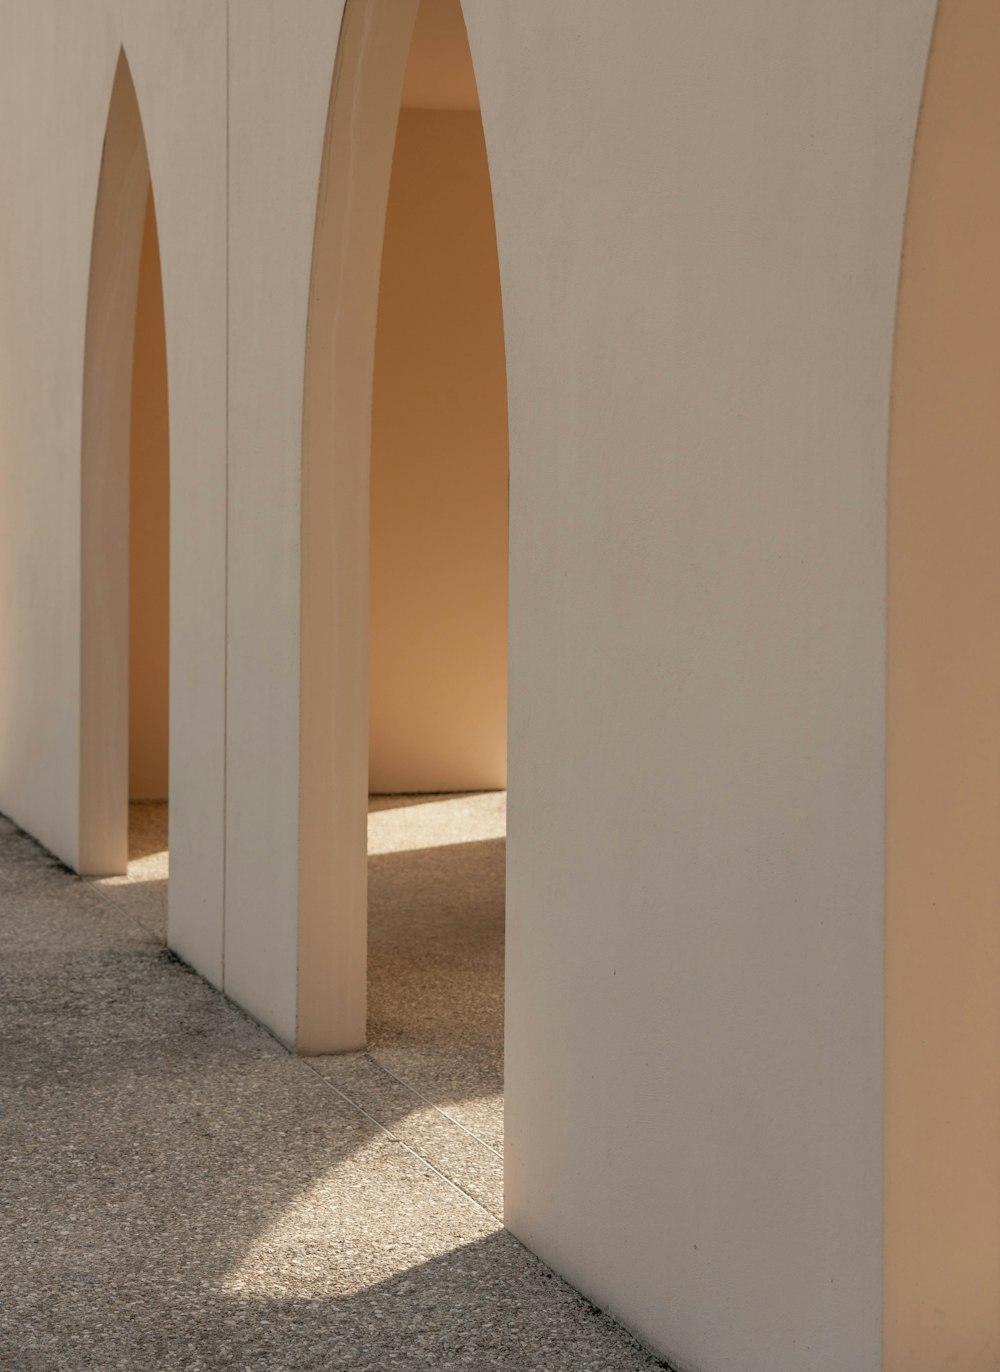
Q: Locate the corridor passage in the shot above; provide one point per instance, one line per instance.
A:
(436, 931)
(179, 1192)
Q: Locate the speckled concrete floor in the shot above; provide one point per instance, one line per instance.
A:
(178, 1192)
(435, 951)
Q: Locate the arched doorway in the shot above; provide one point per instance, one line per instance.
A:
(125, 507)
(438, 600)
(438, 502)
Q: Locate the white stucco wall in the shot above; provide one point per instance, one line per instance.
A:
(55, 83)
(181, 48)
(57, 64)
(280, 92)
(699, 215)
(699, 211)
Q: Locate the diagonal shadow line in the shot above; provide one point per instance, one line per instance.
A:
(154, 1136)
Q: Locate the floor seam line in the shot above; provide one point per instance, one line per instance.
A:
(395, 1138)
(418, 1095)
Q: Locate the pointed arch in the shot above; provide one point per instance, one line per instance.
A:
(340, 352)
(123, 191)
(369, 82)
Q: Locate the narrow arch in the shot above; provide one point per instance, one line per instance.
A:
(340, 353)
(361, 138)
(437, 653)
(942, 1002)
(123, 212)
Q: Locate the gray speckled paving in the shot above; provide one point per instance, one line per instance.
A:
(436, 951)
(178, 1192)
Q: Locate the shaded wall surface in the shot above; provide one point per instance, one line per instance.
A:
(438, 626)
(149, 535)
(942, 1104)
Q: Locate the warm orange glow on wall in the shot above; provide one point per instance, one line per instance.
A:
(942, 1063)
(149, 535)
(439, 471)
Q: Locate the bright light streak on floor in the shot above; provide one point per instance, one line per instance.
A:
(399, 824)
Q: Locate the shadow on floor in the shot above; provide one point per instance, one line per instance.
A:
(485, 1305)
(178, 1192)
(436, 966)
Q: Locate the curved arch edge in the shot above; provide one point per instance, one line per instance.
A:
(340, 348)
(123, 189)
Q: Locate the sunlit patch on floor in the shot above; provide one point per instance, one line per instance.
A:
(142, 891)
(401, 824)
(368, 1219)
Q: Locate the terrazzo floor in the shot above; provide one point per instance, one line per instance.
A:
(177, 1191)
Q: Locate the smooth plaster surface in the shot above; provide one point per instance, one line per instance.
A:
(438, 589)
(699, 215)
(439, 72)
(279, 92)
(942, 1088)
(354, 173)
(45, 242)
(176, 47)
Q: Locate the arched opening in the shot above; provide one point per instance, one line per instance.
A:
(942, 991)
(125, 515)
(438, 596)
(437, 633)
(405, 423)
(149, 573)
